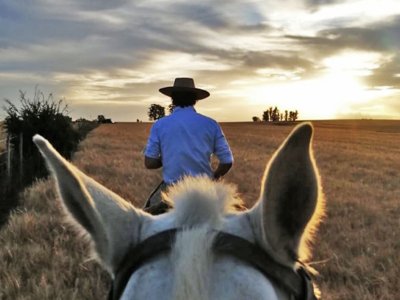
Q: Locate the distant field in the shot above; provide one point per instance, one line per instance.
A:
(356, 251)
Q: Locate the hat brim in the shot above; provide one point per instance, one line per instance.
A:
(200, 94)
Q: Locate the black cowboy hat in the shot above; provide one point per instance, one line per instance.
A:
(184, 85)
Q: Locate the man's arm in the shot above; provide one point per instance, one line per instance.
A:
(221, 170)
(152, 163)
(223, 152)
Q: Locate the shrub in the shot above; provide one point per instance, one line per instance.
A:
(48, 118)
(84, 126)
(44, 116)
(101, 119)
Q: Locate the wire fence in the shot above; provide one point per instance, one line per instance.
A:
(7, 152)
(3, 141)
(3, 147)
(10, 173)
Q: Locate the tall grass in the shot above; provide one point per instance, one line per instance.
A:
(356, 250)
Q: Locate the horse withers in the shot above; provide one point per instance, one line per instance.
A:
(202, 248)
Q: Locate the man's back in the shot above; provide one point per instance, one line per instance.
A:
(182, 143)
(185, 140)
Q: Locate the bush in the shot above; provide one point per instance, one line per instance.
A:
(48, 118)
(101, 119)
(40, 115)
(44, 116)
(84, 126)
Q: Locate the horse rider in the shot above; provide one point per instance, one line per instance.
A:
(183, 142)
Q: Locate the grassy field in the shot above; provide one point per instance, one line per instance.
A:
(356, 251)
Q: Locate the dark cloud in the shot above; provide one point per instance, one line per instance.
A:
(248, 63)
(315, 4)
(96, 5)
(382, 36)
(233, 16)
(387, 74)
(57, 42)
(290, 61)
(205, 15)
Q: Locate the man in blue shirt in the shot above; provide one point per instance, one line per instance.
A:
(183, 142)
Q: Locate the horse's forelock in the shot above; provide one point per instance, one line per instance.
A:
(199, 200)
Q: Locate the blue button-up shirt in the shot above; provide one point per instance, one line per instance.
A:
(185, 141)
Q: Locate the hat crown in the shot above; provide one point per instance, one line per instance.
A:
(184, 82)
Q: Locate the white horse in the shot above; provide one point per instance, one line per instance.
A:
(202, 249)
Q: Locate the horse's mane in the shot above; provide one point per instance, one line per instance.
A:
(199, 200)
(200, 205)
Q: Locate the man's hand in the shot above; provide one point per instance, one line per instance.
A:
(152, 163)
(221, 170)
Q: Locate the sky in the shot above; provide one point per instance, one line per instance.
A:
(328, 59)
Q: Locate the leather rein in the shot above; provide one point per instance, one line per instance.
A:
(298, 283)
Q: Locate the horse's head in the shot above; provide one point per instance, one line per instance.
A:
(216, 253)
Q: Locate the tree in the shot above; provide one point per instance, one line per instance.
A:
(293, 115)
(256, 119)
(265, 116)
(286, 115)
(156, 112)
(270, 111)
(101, 119)
(275, 115)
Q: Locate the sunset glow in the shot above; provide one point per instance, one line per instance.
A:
(326, 59)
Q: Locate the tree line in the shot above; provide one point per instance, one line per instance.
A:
(273, 114)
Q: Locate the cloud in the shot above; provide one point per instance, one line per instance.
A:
(387, 75)
(315, 4)
(98, 51)
(204, 15)
(96, 5)
(380, 37)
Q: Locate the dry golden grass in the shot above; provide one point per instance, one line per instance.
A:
(356, 250)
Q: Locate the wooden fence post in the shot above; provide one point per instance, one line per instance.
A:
(21, 155)
(9, 150)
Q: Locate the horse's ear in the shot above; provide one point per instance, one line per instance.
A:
(288, 209)
(111, 222)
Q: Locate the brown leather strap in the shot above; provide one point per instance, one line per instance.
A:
(297, 284)
(254, 255)
(139, 255)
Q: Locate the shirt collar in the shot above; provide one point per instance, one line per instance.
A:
(187, 108)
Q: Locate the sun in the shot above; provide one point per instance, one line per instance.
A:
(337, 89)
